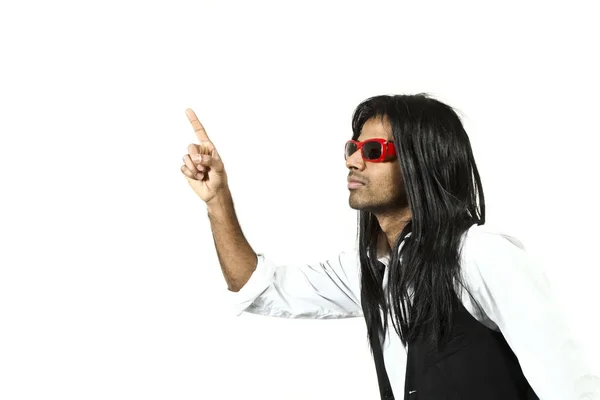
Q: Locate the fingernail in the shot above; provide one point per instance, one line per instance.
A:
(195, 157)
(205, 157)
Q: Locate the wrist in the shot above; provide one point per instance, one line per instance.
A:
(221, 202)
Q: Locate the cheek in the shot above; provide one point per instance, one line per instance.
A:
(394, 174)
(398, 177)
(395, 182)
(387, 182)
(388, 178)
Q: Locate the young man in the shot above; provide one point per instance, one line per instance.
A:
(453, 308)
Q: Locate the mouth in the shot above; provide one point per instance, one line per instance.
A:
(354, 185)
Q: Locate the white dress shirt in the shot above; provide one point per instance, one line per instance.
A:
(513, 294)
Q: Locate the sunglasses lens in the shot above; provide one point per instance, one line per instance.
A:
(372, 150)
(350, 149)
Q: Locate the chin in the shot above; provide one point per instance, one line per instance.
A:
(359, 205)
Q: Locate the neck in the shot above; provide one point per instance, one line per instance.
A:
(392, 224)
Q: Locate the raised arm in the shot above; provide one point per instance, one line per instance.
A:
(206, 175)
(328, 289)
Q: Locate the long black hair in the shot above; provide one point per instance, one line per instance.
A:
(445, 198)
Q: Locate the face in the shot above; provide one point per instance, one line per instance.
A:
(383, 190)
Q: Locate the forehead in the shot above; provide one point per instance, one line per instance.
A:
(376, 127)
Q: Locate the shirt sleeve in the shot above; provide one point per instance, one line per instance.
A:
(328, 289)
(516, 296)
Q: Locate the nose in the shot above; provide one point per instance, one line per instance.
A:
(355, 161)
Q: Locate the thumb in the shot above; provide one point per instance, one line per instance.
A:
(215, 155)
(213, 161)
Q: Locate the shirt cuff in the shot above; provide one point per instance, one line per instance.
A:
(259, 281)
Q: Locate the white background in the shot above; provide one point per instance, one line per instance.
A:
(110, 286)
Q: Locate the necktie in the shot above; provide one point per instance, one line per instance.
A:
(385, 388)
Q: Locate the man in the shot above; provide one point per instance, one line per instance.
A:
(470, 318)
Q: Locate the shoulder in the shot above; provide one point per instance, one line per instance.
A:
(489, 251)
(498, 272)
(492, 235)
(486, 241)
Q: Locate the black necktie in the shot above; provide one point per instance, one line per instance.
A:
(385, 388)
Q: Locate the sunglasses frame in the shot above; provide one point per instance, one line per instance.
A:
(389, 150)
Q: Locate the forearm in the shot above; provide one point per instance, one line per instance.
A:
(238, 260)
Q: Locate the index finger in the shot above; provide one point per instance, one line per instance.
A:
(198, 128)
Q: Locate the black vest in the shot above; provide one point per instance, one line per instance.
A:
(477, 363)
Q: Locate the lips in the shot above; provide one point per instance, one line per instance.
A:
(354, 180)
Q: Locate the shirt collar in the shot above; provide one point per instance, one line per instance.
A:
(383, 249)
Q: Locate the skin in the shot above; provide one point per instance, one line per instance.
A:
(203, 166)
(205, 172)
(383, 193)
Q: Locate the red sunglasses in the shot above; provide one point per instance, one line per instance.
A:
(373, 150)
